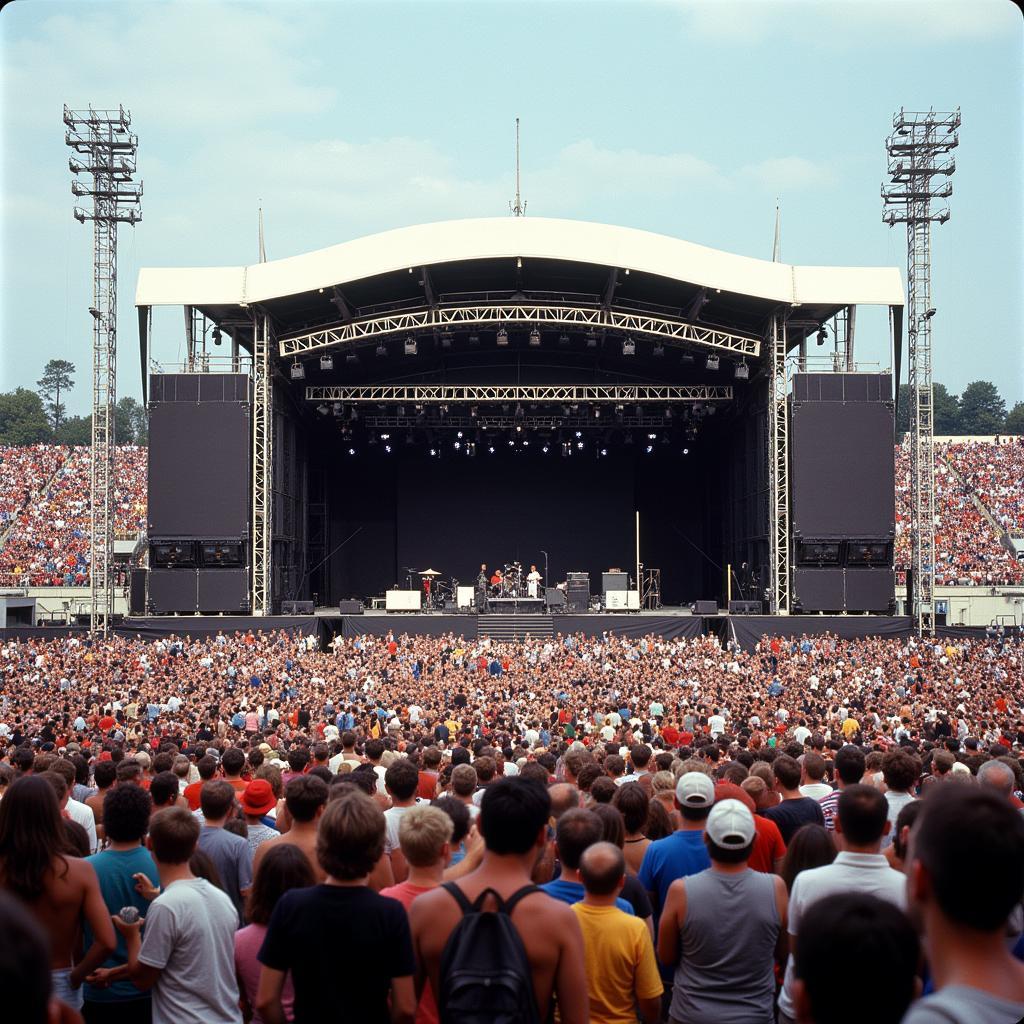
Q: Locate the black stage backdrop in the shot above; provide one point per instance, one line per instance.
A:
(450, 514)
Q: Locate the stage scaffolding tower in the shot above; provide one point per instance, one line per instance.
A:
(104, 148)
(919, 157)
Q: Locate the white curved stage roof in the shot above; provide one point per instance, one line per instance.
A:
(528, 238)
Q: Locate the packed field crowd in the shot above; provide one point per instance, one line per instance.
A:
(429, 829)
(44, 511)
(968, 548)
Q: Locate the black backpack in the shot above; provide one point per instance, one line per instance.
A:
(485, 974)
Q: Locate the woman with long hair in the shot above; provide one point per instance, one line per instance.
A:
(283, 867)
(812, 846)
(60, 890)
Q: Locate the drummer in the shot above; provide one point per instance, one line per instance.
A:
(497, 578)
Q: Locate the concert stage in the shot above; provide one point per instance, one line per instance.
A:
(575, 397)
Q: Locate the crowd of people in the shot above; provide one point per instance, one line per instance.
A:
(433, 829)
(969, 549)
(44, 511)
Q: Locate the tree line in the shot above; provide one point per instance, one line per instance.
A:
(40, 416)
(979, 410)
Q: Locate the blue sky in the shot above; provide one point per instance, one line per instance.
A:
(345, 119)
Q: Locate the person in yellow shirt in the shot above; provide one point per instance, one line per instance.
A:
(622, 972)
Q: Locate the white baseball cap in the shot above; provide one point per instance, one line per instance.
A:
(695, 789)
(730, 825)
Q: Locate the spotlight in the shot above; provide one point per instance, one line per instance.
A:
(322, 409)
(659, 350)
(502, 337)
(519, 429)
(511, 443)
(535, 338)
(579, 444)
(337, 408)
(526, 442)
(216, 336)
(385, 437)
(687, 357)
(351, 451)
(604, 451)
(387, 448)
(822, 336)
(457, 445)
(473, 411)
(591, 340)
(474, 338)
(490, 449)
(652, 437)
(411, 345)
(649, 449)
(712, 362)
(471, 448)
(597, 412)
(667, 415)
(545, 449)
(566, 449)
(458, 434)
(629, 347)
(579, 434)
(433, 451)
(686, 451)
(327, 363)
(351, 358)
(929, 313)
(298, 371)
(382, 351)
(742, 371)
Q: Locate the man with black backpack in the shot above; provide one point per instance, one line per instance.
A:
(492, 945)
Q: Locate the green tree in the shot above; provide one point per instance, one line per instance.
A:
(1015, 420)
(75, 430)
(132, 424)
(58, 376)
(22, 418)
(982, 409)
(946, 410)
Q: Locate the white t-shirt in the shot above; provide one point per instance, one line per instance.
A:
(849, 872)
(82, 813)
(190, 935)
(816, 790)
(716, 725)
(392, 817)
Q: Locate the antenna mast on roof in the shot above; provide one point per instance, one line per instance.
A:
(518, 207)
(263, 248)
(777, 244)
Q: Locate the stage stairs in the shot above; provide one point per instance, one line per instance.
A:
(514, 627)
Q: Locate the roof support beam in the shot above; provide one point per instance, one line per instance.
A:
(699, 302)
(341, 304)
(584, 318)
(567, 393)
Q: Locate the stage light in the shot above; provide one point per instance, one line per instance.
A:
(457, 445)
(579, 444)
(470, 448)
(658, 350)
(667, 415)
(352, 358)
(519, 414)
(322, 409)
(446, 339)
(650, 448)
(502, 337)
(566, 449)
(535, 338)
(385, 437)
(687, 357)
(929, 313)
(338, 408)
(474, 338)
(686, 451)
(490, 449)
(742, 371)
(597, 412)
(459, 434)
(511, 443)
(433, 451)
(401, 410)
(382, 351)
(473, 411)
(712, 361)
(411, 345)
(526, 442)
(545, 449)
(298, 371)
(591, 340)
(566, 410)
(563, 340)
(216, 336)
(387, 448)
(327, 363)
(628, 347)
(578, 434)
(822, 336)
(604, 451)
(652, 437)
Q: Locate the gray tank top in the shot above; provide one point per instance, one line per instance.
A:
(727, 943)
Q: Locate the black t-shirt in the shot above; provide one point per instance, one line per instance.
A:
(791, 814)
(636, 896)
(343, 945)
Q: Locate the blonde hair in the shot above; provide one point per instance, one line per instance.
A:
(422, 831)
(663, 781)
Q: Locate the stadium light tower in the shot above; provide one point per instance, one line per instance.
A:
(104, 148)
(919, 160)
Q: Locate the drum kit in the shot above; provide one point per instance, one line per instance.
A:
(509, 581)
(437, 591)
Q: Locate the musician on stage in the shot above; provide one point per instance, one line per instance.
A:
(481, 589)
(532, 582)
(497, 579)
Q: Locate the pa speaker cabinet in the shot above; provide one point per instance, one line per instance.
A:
(223, 590)
(137, 592)
(173, 591)
(819, 589)
(350, 607)
(705, 607)
(554, 598)
(744, 607)
(870, 589)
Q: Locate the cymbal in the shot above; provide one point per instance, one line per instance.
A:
(429, 572)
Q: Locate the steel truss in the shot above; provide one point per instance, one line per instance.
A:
(568, 393)
(528, 422)
(106, 150)
(918, 151)
(262, 466)
(778, 469)
(499, 314)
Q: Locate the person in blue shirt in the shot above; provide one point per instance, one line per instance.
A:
(122, 869)
(577, 829)
(682, 853)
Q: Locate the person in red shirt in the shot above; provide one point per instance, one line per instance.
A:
(207, 768)
(427, 787)
(671, 735)
(769, 847)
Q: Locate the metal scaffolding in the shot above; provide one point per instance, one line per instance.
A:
(778, 468)
(918, 151)
(262, 466)
(568, 393)
(585, 318)
(106, 150)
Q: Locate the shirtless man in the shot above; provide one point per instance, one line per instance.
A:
(105, 774)
(59, 890)
(305, 798)
(513, 819)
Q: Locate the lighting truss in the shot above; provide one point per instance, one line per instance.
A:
(262, 467)
(778, 470)
(918, 150)
(499, 314)
(568, 393)
(529, 422)
(104, 149)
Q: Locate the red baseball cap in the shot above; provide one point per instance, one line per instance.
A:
(258, 797)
